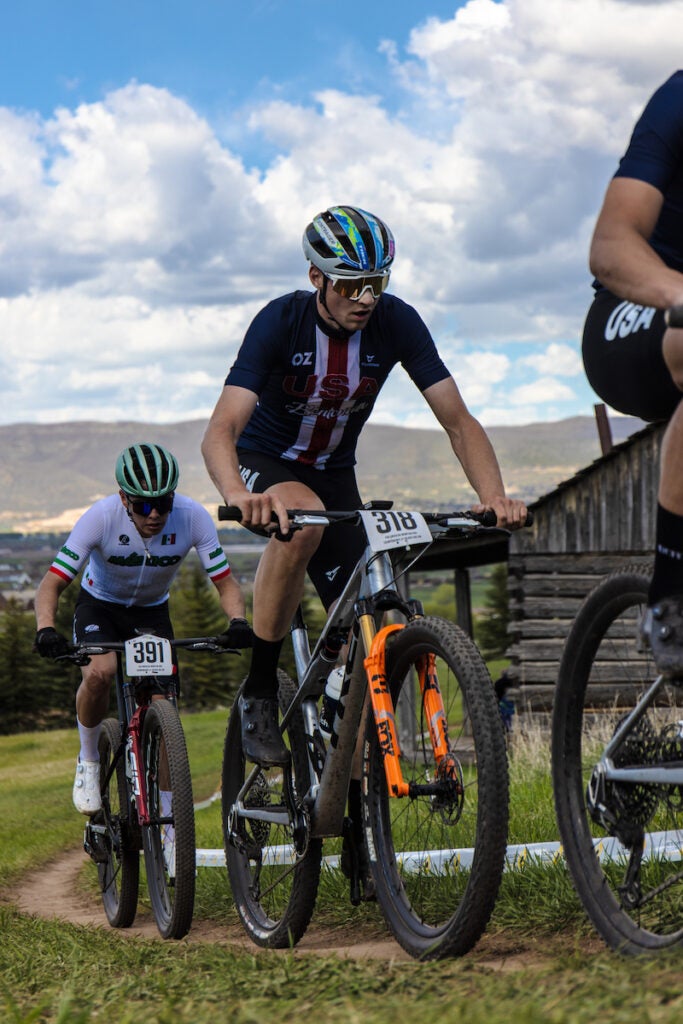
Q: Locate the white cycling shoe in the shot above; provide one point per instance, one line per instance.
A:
(86, 791)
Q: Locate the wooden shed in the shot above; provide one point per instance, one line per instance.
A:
(590, 524)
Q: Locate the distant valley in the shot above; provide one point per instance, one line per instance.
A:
(50, 472)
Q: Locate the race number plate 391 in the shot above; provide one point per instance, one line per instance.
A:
(389, 529)
(148, 655)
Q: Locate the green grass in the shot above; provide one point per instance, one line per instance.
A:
(54, 972)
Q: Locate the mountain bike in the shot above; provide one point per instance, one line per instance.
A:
(434, 791)
(617, 762)
(146, 786)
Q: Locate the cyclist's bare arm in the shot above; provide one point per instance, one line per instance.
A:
(47, 599)
(621, 257)
(219, 448)
(474, 452)
(231, 597)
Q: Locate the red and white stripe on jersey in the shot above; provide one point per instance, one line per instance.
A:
(337, 370)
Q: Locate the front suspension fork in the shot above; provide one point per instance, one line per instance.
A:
(384, 711)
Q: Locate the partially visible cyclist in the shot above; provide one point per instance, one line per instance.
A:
(285, 429)
(132, 544)
(633, 361)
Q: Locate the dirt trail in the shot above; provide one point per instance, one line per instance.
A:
(54, 892)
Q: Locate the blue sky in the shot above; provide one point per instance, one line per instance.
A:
(158, 163)
(215, 54)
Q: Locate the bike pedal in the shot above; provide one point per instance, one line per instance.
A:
(96, 843)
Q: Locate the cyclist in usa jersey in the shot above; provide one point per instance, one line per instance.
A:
(632, 359)
(130, 546)
(285, 428)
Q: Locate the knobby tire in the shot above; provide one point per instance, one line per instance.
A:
(274, 886)
(171, 894)
(603, 646)
(119, 875)
(437, 862)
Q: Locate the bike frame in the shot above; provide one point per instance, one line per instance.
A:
(131, 715)
(355, 616)
(131, 718)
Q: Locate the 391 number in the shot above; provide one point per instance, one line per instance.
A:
(147, 652)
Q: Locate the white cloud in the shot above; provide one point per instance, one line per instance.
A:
(558, 360)
(542, 391)
(132, 237)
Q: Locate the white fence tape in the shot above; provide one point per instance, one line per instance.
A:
(667, 845)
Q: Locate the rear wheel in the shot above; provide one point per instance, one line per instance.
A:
(273, 865)
(169, 839)
(622, 839)
(437, 856)
(117, 839)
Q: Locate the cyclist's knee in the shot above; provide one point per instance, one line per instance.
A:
(672, 350)
(97, 680)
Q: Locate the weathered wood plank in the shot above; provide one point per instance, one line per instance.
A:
(540, 698)
(546, 672)
(552, 584)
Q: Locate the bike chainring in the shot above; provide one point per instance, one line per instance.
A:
(301, 831)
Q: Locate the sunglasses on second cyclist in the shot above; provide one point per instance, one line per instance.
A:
(144, 508)
(354, 288)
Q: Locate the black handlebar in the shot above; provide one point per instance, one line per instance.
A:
(232, 513)
(81, 653)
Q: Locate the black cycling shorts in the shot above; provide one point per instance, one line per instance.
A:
(342, 544)
(622, 355)
(97, 621)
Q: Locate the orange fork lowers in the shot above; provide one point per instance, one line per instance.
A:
(384, 712)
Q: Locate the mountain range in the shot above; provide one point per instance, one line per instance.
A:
(50, 473)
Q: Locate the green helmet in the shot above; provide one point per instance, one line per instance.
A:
(146, 471)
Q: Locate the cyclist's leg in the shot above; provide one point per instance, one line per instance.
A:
(278, 588)
(91, 623)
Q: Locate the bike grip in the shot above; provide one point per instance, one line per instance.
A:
(674, 316)
(230, 512)
(487, 518)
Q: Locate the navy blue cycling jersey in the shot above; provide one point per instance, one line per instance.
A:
(655, 155)
(316, 392)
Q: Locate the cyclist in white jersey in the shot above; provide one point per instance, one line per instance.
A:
(132, 544)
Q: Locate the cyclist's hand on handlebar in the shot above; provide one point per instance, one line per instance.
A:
(238, 635)
(511, 514)
(257, 510)
(50, 644)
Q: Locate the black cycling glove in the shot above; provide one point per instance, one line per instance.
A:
(50, 644)
(239, 634)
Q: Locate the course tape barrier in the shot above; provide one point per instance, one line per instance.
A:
(662, 845)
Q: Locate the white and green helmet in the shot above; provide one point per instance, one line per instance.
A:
(146, 471)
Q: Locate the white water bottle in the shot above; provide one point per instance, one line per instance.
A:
(330, 702)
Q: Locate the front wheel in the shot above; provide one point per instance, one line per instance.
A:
(273, 864)
(622, 839)
(437, 856)
(169, 839)
(118, 861)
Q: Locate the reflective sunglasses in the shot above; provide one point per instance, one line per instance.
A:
(143, 508)
(354, 287)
